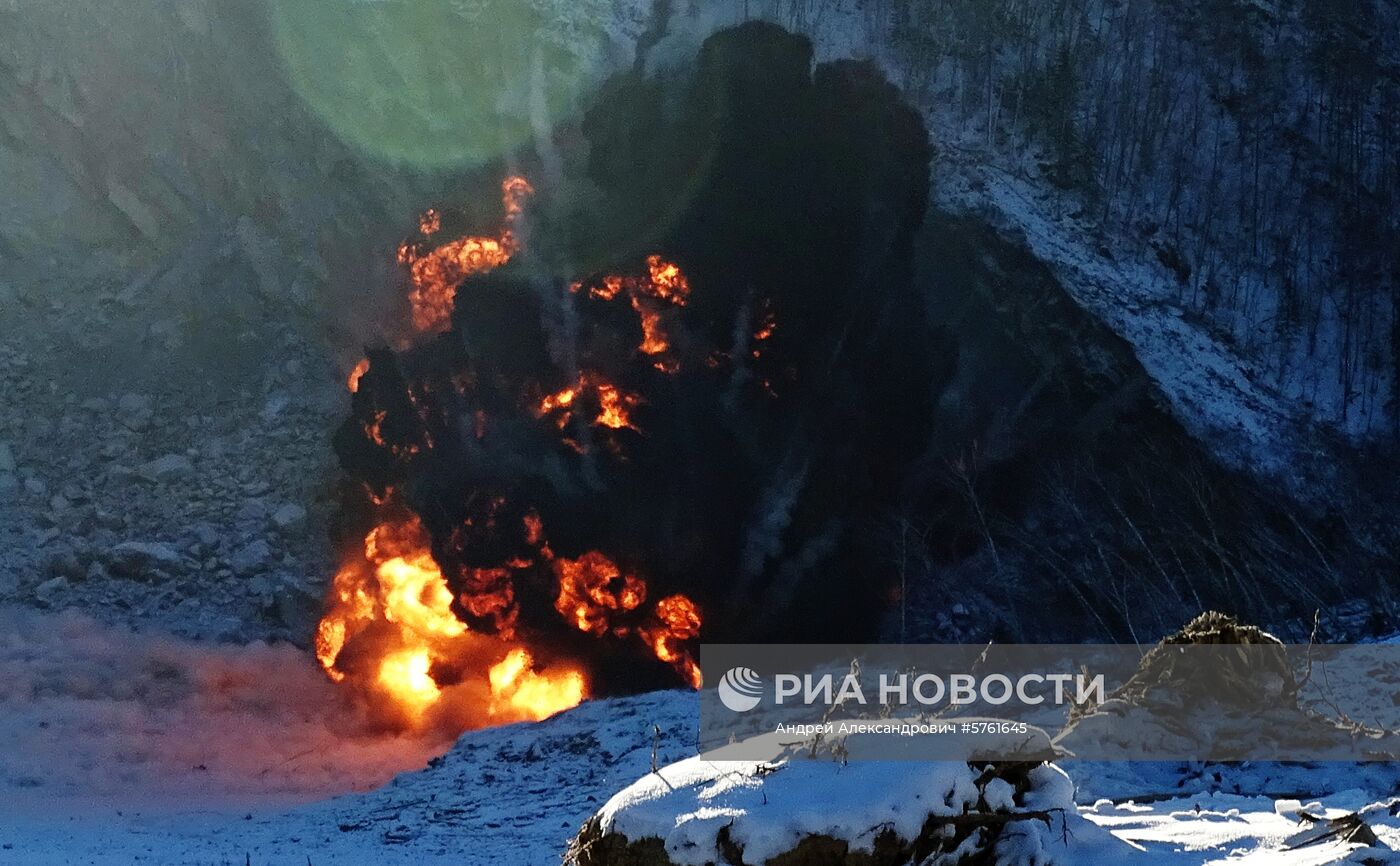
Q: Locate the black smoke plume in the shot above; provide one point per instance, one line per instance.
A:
(755, 467)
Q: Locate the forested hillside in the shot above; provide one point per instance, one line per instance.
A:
(1250, 147)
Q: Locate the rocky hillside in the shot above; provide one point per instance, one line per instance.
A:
(1159, 241)
(1226, 275)
(192, 256)
(1234, 162)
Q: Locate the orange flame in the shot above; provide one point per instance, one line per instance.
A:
(663, 287)
(608, 290)
(591, 588)
(678, 620)
(767, 324)
(666, 281)
(490, 595)
(594, 591)
(763, 331)
(437, 273)
(396, 586)
(353, 380)
(520, 691)
(614, 405)
(654, 338)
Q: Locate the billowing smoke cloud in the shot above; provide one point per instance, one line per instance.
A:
(105, 715)
(744, 382)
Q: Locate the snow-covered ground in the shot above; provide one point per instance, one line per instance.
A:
(123, 748)
(510, 795)
(1226, 828)
(768, 809)
(516, 795)
(687, 803)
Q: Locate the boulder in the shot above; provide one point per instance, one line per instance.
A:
(171, 467)
(141, 558)
(47, 593)
(803, 812)
(1222, 690)
(133, 404)
(64, 563)
(289, 517)
(251, 558)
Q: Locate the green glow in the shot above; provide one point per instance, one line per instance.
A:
(432, 83)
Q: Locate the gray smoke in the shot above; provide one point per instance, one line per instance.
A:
(97, 713)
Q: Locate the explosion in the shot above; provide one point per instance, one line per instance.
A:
(568, 474)
(434, 651)
(392, 597)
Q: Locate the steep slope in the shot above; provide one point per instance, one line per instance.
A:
(1218, 185)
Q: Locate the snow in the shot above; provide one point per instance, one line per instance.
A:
(1254, 414)
(1221, 828)
(1162, 780)
(127, 747)
(141, 749)
(770, 808)
(516, 794)
(1206, 384)
(101, 714)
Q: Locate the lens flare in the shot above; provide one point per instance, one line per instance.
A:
(433, 83)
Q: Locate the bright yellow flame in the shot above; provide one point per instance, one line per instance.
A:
(531, 694)
(405, 676)
(395, 586)
(416, 597)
